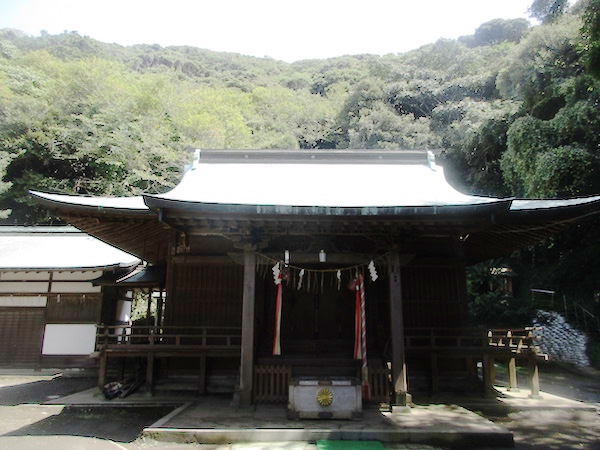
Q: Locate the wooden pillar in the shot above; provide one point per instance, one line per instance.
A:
(149, 308)
(435, 373)
(513, 384)
(400, 395)
(202, 375)
(534, 379)
(150, 372)
(489, 375)
(102, 369)
(247, 354)
(159, 310)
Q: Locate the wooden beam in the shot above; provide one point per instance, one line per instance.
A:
(247, 350)
(400, 395)
(201, 259)
(332, 258)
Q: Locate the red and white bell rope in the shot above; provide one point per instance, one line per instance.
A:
(277, 277)
(357, 324)
(360, 339)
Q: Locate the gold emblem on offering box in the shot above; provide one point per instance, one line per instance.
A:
(325, 397)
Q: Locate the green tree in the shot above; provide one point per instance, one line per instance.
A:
(381, 127)
(591, 33)
(212, 117)
(540, 66)
(78, 141)
(562, 172)
(474, 136)
(548, 10)
(500, 30)
(542, 160)
(284, 118)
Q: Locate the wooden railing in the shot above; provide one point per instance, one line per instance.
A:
(444, 338)
(522, 340)
(517, 341)
(118, 336)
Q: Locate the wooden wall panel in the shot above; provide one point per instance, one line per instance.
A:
(73, 308)
(434, 296)
(21, 331)
(205, 295)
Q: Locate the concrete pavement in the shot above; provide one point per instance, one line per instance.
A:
(28, 421)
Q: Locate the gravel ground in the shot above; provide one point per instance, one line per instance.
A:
(25, 423)
(558, 429)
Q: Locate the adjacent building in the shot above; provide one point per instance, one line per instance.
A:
(49, 304)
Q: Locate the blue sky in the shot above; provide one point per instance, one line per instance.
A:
(280, 29)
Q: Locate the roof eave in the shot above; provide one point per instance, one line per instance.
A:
(103, 268)
(69, 203)
(161, 204)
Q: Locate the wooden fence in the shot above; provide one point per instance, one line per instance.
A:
(271, 384)
(379, 382)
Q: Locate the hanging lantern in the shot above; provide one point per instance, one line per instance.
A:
(322, 256)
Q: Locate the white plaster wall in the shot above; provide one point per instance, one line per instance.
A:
(69, 339)
(37, 301)
(77, 275)
(24, 275)
(74, 286)
(123, 311)
(29, 287)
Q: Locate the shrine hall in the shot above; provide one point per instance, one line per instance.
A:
(269, 270)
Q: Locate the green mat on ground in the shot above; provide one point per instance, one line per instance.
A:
(349, 445)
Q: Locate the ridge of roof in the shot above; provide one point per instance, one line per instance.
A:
(313, 156)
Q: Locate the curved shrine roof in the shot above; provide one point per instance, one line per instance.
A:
(322, 181)
(317, 191)
(310, 182)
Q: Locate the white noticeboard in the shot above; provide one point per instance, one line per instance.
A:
(69, 339)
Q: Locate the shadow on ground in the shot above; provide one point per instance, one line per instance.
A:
(41, 391)
(115, 424)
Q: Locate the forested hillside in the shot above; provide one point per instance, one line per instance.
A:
(514, 108)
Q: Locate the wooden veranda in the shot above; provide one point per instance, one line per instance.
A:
(476, 347)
